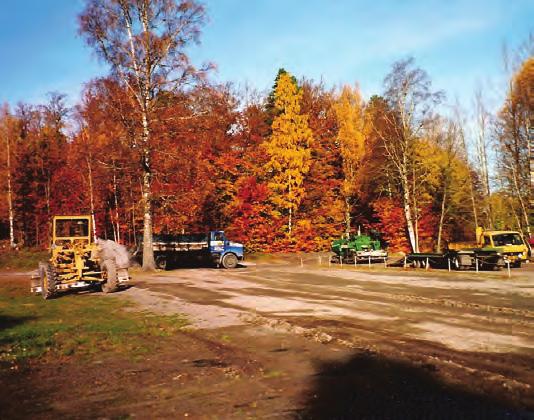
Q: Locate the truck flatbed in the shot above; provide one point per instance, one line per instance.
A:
(465, 259)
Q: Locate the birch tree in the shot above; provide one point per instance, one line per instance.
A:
(145, 42)
(482, 118)
(6, 121)
(411, 101)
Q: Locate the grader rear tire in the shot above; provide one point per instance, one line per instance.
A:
(111, 279)
(48, 280)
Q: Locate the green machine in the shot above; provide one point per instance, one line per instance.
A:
(357, 248)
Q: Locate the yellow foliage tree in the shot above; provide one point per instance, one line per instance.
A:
(288, 149)
(514, 132)
(351, 136)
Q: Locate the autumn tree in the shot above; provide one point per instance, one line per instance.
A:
(482, 118)
(7, 122)
(351, 137)
(145, 44)
(288, 149)
(410, 99)
(513, 130)
(322, 207)
(109, 169)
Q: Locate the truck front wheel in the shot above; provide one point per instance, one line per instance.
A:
(229, 261)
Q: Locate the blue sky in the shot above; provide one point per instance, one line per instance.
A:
(457, 42)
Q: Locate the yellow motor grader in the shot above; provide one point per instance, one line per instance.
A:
(79, 261)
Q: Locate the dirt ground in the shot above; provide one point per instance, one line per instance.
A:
(289, 339)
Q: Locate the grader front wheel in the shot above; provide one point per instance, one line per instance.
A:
(48, 280)
(110, 277)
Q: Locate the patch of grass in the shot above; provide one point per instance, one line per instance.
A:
(24, 259)
(83, 325)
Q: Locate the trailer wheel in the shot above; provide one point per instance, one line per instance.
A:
(48, 280)
(161, 262)
(229, 261)
(109, 274)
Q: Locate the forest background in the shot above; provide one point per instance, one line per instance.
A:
(158, 146)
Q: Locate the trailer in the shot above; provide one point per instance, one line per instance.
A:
(212, 248)
(465, 259)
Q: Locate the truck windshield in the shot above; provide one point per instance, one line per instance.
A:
(504, 239)
(72, 227)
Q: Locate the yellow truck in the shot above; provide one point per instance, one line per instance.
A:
(509, 243)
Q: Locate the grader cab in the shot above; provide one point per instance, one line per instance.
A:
(78, 261)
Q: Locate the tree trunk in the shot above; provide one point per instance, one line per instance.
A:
(116, 200)
(347, 216)
(290, 221)
(408, 213)
(10, 196)
(112, 225)
(441, 219)
(91, 195)
(415, 211)
(134, 233)
(148, 251)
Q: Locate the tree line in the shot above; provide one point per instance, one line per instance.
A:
(156, 146)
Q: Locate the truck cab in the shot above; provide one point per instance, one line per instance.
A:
(223, 251)
(512, 246)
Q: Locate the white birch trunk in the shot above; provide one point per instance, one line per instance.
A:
(148, 251)
(91, 195)
(10, 196)
(408, 213)
(441, 220)
(116, 201)
(347, 216)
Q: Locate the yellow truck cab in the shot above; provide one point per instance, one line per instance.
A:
(511, 243)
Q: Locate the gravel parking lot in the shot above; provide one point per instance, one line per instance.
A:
(473, 329)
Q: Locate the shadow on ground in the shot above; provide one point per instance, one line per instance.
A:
(370, 387)
(7, 322)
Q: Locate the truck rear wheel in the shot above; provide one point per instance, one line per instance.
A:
(109, 274)
(48, 280)
(161, 262)
(229, 261)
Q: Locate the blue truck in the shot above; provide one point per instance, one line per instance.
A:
(209, 248)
